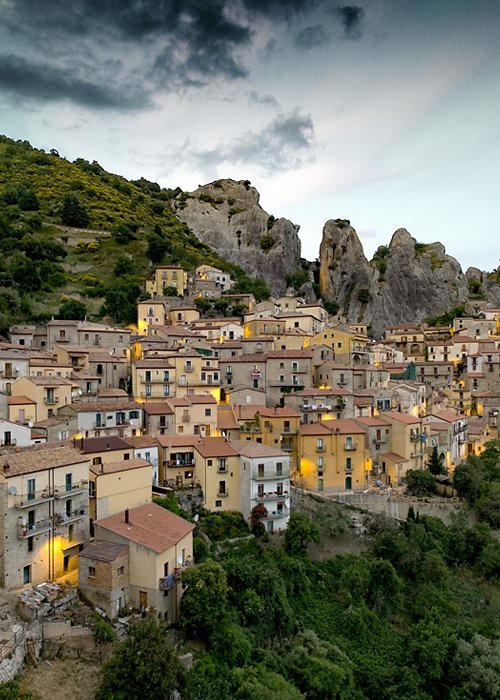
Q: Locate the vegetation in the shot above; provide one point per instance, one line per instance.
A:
(446, 318)
(478, 481)
(415, 616)
(74, 230)
(144, 666)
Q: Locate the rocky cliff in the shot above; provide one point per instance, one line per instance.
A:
(406, 281)
(227, 216)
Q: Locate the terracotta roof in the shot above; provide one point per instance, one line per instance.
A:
(104, 407)
(402, 417)
(100, 550)
(323, 392)
(394, 457)
(157, 408)
(278, 412)
(150, 525)
(123, 465)
(19, 400)
(447, 416)
(39, 458)
(201, 398)
(249, 448)
(170, 442)
(215, 447)
(372, 421)
(226, 419)
(154, 364)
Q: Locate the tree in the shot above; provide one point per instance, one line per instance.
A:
(258, 513)
(158, 247)
(124, 265)
(203, 305)
(469, 479)
(144, 666)
(72, 309)
(120, 298)
(300, 531)
(419, 483)
(436, 463)
(204, 603)
(74, 213)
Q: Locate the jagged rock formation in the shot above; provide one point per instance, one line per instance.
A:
(228, 217)
(406, 281)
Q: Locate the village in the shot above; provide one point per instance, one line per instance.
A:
(227, 413)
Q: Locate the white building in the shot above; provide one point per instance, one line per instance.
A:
(264, 479)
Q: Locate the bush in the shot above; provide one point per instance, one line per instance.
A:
(224, 525)
(74, 213)
(103, 632)
(420, 483)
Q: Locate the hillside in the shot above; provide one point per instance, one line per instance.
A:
(75, 230)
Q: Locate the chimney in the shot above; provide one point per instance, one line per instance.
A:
(127, 519)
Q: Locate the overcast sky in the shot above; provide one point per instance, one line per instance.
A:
(385, 112)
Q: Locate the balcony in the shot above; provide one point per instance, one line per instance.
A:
(67, 518)
(157, 380)
(289, 431)
(270, 474)
(186, 417)
(222, 469)
(320, 448)
(379, 440)
(76, 488)
(25, 530)
(414, 437)
(271, 495)
(50, 400)
(188, 368)
(350, 447)
(166, 582)
(250, 428)
(173, 463)
(275, 514)
(33, 498)
(222, 494)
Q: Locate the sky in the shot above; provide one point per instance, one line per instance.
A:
(385, 112)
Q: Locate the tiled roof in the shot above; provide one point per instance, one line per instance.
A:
(122, 465)
(215, 447)
(157, 408)
(107, 552)
(401, 417)
(19, 400)
(100, 444)
(394, 457)
(249, 448)
(39, 458)
(150, 525)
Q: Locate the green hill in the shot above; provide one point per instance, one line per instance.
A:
(73, 230)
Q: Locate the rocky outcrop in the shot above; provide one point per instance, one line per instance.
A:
(406, 281)
(228, 217)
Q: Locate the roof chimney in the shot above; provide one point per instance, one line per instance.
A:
(127, 519)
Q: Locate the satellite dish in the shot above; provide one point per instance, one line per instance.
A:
(196, 518)
(30, 424)
(12, 490)
(80, 392)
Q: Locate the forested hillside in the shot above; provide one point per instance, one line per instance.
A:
(73, 230)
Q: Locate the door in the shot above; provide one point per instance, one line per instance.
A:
(348, 483)
(143, 599)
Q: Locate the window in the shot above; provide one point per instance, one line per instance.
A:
(27, 574)
(96, 460)
(348, 443)
(218, 504)
(91, 571)
(69, 482)
(319, 444)
(31, 489)
(30, 544)
(121, 570)
(92, 488)
(71, 533)
(279, 468)
(209, 462)
(279, 489)
(208, 411)
(222, 488)
(68, 508)
(348, 463)
(260, 490)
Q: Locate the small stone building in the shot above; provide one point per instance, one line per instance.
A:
(103, 573)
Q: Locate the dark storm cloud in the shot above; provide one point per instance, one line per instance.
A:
(43, 81)
(162, 45)
(283, 144)
(351, 18)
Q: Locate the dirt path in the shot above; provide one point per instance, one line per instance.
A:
(60, 679)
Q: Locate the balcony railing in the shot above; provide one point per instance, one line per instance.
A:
(157, 380)
(188, 368)
(50, 400)
(414, 437)
(270, 474)
(275, 514)
(76, 488)
(173, 463)
(166, 582)
(350, 447)
(271, 495)
(320, 448)
(29, 529)
(74, 514)
(289, 431)
(33, 498)
(222, 493)
(186, 417)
